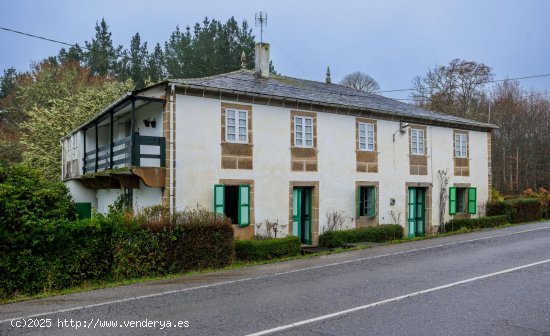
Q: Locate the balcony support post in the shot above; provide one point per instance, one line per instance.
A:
(84, 158)
(96, 147)
(112, 142)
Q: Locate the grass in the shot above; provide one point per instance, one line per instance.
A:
(93, 285)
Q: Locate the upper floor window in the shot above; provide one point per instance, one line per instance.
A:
(303, 131)
(461, 145)
(236, 129)
(417, 141)
(366, 137)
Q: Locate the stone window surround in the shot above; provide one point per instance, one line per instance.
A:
(236, 155)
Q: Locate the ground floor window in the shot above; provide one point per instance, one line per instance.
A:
(233, 201)
(462, 200)
(366, 201)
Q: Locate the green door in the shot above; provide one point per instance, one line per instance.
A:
(416, 218)
(301, 213)
(296, 212)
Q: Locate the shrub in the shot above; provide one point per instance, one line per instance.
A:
(524, 210)
(518, 210)
(267, 249)
(153, 244)
(375, 234)
(27, 197)
(475, 223)
(496, 208)
(54, 254)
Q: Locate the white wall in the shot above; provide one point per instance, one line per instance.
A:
(81, 194)
(146, 196)
(198, 164)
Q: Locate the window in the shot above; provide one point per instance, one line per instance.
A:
(236, 126)
(233, 202)
(366, 201)
(303, 131)
(461, 145)
(462, 200)
(366, 137)
(417, 141)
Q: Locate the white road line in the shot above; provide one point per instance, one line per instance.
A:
(267, 275)
(394, 299)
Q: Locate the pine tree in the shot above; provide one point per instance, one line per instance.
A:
(134, 62)
(155, 65)
(101, 57)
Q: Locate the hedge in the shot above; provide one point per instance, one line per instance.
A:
(518, 210)
(475, 223)
(56, 254)
(375, 234)
(267, 249)
(141, 252)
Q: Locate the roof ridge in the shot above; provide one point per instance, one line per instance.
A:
(210, 77)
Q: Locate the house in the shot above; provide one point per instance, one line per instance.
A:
(259, 147)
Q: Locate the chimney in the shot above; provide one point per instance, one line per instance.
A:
(262, 59)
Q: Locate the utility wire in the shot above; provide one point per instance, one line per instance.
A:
(43, 38)
(484, 82)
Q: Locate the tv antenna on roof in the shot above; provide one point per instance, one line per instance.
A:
(261, 21)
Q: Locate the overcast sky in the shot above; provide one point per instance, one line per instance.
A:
(393, 41)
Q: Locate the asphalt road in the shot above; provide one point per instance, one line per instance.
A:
(495, 282)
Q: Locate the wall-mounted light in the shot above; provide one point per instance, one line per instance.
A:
(402, 129)
(150, 123)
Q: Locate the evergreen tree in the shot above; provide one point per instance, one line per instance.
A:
(156, 65)
(101, 57)
(74, 54)
(177, 51)
(134, 62)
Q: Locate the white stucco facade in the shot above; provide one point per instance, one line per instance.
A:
(198, 154)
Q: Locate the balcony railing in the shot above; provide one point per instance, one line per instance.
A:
(125, 153)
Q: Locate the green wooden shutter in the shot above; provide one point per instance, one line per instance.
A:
(358, 199)
(373, 201)
(472, 201)
(244, 205)
(452, 200)
(411, 213)
(371, 191)
(219, 199)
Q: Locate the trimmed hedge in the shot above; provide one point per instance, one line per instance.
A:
(518, 210)
(267, 249)
(475, 223)
(141, 252)
(524, 210)
(50, 255)
(496, 208)
(375, 234)
(54, 254)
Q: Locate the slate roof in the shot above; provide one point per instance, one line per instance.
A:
(247, 82)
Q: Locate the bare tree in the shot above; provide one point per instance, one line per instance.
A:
(455, 89)
(360, 81)
(335, 220)
(443, 196)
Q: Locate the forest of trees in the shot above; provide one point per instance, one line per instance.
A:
(39, 106)
(521, 145)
